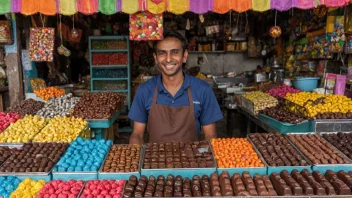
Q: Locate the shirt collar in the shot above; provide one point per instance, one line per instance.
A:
(185, 85)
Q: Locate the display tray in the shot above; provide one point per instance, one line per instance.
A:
(278, 169)
(65, 176)
(184, 172)
(323, 167)
(120, 176)
(332, 125)
(252, 170)
(322, 133)
(102, 123)
(283, 127)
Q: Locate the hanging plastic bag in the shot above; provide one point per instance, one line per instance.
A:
(41, 44)
(146, 26)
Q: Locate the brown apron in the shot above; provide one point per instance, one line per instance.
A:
(172, 124)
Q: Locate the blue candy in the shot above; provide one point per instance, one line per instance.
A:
(80, 163)
(65, 165)
(93, 168)
(71, 169)
(78, 169)
(61, 169)
(86, 168)
(73, 162)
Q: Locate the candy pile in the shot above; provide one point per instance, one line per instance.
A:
(8, 185)
(341, 141)
(62, 129)
(60, 106)
(27, 107)
(104, 188)
(6, 119)
(235, 152)
(123, 158)
(84, 155)
(28, 188)
(23, 130)
(282, 91)
(58, 188)
(49, 92)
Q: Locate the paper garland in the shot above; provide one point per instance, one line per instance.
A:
(146, 26)
(41, 44)
(201, 6)
(107, 6)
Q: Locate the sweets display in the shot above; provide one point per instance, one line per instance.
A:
(62, 129)
(34, 157)
(27, 107)
(276, 150)
(235, 152)
(177, 155)
(84, 155)
(48, 93)
(100, 45)
(123, 158)
(6, 119)
(100, 59)
(282, 91)
(23, 130)
(260, 100)
(282, 115)
(317, 150)
(58, 188)
(341, 141)
(8, 185)
(6, 152)
(98, 105)
(58, 107)
(118, 59)
(28, 188)
(104, 188)
(110, 73)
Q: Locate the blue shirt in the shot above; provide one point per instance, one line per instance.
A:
(206, 107)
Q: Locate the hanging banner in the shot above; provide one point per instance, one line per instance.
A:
(241, 5)
(222, 6)
(46, 7)
(87, 6)
(16, 6)
(156, 6)
(107, 6)
(130, 6)
(335, 3)
(5, 6)
(305, 4)
(283, 5)
(201, 6)
(41, 44)
(261, 5)
(178, 6)
(67, 7)
(146, 26)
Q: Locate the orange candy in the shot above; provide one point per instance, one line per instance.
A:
(235, 153)
(49, 92)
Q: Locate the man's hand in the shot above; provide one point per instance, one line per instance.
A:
(209, 131)
(138, 133)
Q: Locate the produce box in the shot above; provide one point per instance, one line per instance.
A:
(259, 103)
(283, 127)
(279, 141)
(66, 176)
(120, 175)
(318, 165)
(102, 123)
(149, 168)
(237, 150)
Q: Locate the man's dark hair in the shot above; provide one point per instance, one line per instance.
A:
(173, 34)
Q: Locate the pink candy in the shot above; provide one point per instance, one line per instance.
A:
(61, 189)
(282, 91)
(6, 119)
(103, 189)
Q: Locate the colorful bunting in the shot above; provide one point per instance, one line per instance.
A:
(70, 7)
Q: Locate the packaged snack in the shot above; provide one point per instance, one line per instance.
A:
(330, 81)
(340, 85)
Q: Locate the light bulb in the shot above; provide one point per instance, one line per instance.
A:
(74, 33)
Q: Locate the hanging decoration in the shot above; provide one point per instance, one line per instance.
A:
(241, 5)
(275, 31)
(41, 44)
(62, 50)
(130, 6)
(107, 6)
(146, 26)
(6, 36)
(5, 6)
(156, 6)
(67, 7)
(70, 7)
(201, 6)
(87, 6)
(74, 31)
(178, 6)
(261, 5)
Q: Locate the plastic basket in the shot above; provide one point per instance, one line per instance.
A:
(283, 128)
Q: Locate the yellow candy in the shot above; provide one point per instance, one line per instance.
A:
(28, 188)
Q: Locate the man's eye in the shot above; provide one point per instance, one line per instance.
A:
(175, 52)
(161, 53)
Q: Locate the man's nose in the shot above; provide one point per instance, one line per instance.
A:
(168, 57)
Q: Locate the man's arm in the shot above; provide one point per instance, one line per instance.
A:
(209, 131)
(138, 133)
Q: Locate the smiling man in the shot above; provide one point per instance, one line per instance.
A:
(173, 106)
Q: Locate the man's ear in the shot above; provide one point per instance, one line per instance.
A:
(154, 55)
(185, 56)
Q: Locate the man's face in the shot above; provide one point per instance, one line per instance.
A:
(169, 56)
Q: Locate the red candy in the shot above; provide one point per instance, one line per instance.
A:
(103, 189)
(6, 119)
(282, 91)
(118, 59)
(100, 59)
(61, 189)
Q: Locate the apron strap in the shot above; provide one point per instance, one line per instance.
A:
(155, 97)
(190, 99)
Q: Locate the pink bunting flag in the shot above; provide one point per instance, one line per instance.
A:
(283, 5)
(201, 6)
(16, 6)
(87, 6)
(336, 3)
(306, 4)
